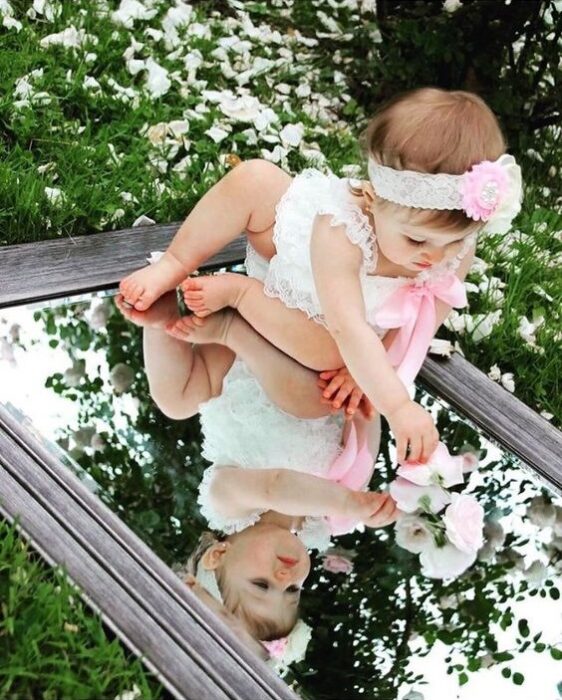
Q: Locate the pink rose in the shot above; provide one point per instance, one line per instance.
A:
(408, 495)
(464, 523)
(337, 564)
(276, 647)
(483, 188)
(441, 468)
(469, 461)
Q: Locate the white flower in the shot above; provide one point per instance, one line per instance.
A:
(11, 23)
(412, 533)
(479, 326)
(451, 5)
(445, 562)
(69, 38)
(494, 533)
(243, 109)
(292, 134)
(98, 315)
(73, 376)
(54, 195)
(441, 469)
(495, 373)
(536, 574)
(217, 134)
(541, 513)
(122, 377)
(143, 220)
(176, 17)
(130, 694)
(448, 602)
(90, 83)
(156, 134)
(266, 117)
(178, 127)
(464, 523)
(507, 382)
(295, 646)
(274, 156)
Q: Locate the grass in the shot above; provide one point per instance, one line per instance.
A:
(51, 645)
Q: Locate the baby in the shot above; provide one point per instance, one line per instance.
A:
(340, 273)
(285, 472)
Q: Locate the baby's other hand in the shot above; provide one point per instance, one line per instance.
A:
(414, 431)
(163, 311)
(374, 509)
(341, 391)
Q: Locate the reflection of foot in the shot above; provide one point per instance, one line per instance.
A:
(211, 329)
(163, 312)
(205, 295)
(143, 287)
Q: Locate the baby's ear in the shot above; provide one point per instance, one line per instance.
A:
(212, 557)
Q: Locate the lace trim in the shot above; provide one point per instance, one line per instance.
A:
(215, 520)
(315, 533)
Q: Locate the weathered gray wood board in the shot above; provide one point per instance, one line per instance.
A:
(193, 653)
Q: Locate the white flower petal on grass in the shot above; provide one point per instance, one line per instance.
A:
(176, 18)
(178, 127)
(507, 382)
(11, 23)
(143, 220)
(156, 134)
(157, 81)
(54, 195)
(547, 415)
(133, 694)
(90, 83)
(217, 134)
(244, 109)
(45, 8)
(495, 373)
(292, 134)
(6, 9)
(276, 155)
(451, 6)
(70, 38)
(266, 117)
(131, 10)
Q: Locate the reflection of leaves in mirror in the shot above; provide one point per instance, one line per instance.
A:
(369, 625)
(147, 466)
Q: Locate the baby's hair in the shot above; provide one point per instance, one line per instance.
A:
(434, 131)
(261, 628)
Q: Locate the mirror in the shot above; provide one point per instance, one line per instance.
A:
(380, 628)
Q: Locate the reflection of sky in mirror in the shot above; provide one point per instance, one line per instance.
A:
(125, 419)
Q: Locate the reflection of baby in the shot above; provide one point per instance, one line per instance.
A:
(269, 490)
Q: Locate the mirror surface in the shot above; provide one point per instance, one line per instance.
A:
(74, 369)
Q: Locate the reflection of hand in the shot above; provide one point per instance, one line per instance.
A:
(341, 391)
(413, 428)
(374, 509)
(162, 312)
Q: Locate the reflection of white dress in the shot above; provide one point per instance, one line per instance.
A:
(242, 426)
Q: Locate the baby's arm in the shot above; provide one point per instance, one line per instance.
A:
(334, 257)
(236, 492)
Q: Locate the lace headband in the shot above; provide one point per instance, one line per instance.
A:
(489, 191)
(283, 651)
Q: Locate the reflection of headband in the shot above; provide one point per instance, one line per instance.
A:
(489, 191)
(283, 651)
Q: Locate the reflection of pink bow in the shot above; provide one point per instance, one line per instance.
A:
(411, 309)
(352, 468)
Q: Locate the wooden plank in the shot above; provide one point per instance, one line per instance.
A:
(51, 269)
(498, 413)
(51, 502)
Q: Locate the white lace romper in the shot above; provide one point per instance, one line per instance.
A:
(289, 273)
(243, 428)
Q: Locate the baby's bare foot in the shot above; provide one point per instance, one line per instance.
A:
(206, 295)
(211, 329)
(143, 287)
(162, 313)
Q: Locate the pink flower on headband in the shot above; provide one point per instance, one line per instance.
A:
(276, 647)
(483, 189)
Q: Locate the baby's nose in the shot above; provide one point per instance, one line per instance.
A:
(434, 256)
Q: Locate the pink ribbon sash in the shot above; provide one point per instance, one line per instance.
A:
(352, 468)
(411, 309)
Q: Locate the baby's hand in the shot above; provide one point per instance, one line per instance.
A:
(413, 428)
(374, 509)
(341, 391)
(162, 312)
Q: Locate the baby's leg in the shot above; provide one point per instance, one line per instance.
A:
(288, 329)
(287, 383)
(244, 199)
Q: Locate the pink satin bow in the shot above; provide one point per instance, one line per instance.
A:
(411, 309)
(352, 468)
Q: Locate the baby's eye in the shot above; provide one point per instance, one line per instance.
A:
(293, 589)
(260, 583)
(413, 241)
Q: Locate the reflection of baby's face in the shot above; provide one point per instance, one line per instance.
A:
(266, 566)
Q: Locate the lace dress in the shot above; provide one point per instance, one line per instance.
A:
(243, 428)
(288, 275)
